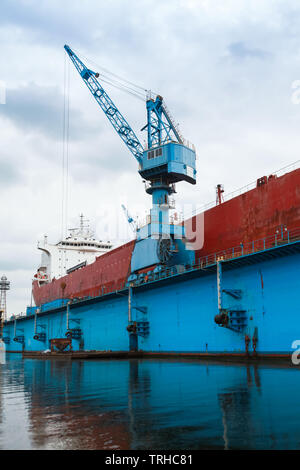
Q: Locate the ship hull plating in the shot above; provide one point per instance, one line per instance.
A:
(178, 313)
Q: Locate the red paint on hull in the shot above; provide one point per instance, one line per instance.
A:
(251, 216)
(108, 272)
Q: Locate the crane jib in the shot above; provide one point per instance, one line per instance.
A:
(111, 111)
(168, 158)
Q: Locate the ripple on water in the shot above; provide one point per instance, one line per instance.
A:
(147, 404)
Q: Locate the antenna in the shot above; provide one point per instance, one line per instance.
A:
(219, 194)
(81, 223)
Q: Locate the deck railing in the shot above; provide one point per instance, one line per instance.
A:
(242, 190)
(281, 237)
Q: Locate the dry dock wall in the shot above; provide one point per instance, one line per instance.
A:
(181, 312)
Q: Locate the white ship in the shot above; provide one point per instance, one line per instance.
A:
(69, 254)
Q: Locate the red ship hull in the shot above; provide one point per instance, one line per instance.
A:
(253, 215)
(258, 213)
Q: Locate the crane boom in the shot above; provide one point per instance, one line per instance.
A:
(111, 111)
(132, 222)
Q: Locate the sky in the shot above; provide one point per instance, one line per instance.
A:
(228, 71)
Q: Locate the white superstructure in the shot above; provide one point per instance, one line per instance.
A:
(73, 252)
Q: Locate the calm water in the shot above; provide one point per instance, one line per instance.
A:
(147, 405)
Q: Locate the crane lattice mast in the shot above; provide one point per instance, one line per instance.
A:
(4, 287)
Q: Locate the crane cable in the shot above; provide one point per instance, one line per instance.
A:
(65, 148)
(119, 82)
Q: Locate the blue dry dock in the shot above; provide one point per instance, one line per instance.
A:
(175, 313)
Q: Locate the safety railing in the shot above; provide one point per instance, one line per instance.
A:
(242, 190)
(281, 237)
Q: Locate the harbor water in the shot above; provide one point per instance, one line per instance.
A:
(147, 404)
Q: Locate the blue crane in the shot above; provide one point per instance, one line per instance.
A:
(132, 222)
(110, 110)
(166, 160)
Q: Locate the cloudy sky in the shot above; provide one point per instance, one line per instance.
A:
(225, 68)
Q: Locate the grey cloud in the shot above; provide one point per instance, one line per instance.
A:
(9, 174)
(34, 108)
(41, 20)
(17, 257)
(53, 22)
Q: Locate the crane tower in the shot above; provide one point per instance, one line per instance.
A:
(166, 159)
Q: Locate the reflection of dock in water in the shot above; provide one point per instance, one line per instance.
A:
(237, 413)
(2, 352)
(72, 429)
(2, 344)
(77, 419)
(152, 404)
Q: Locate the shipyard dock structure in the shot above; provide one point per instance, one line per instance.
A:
(223, 283)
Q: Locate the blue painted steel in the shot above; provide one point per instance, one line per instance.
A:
(47, 306)
(237, 320)
(31, 310)
(180, 311)
(145, 254)
(53, 304)
(19, 339)
(173, 161)
(41, 336)
(143, 328)
(160, 128)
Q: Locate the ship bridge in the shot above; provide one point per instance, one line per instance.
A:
(73, 252)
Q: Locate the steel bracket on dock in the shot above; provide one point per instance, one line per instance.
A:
(142, 328)
(75, 320)
(40, 337)
(237, 320)
(233, 319)
(74, 333)
(141, 309)
(235, 293)
(19, 339)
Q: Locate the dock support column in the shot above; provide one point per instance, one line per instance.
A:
(129, 303)
(219, 284)
(131, 328)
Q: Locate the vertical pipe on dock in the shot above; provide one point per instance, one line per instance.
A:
(129, 302)
(219, 284)
(68, 303)
(1, 323)
(35, 319)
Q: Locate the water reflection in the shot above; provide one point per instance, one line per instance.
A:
(147, 405)
(2, 352)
